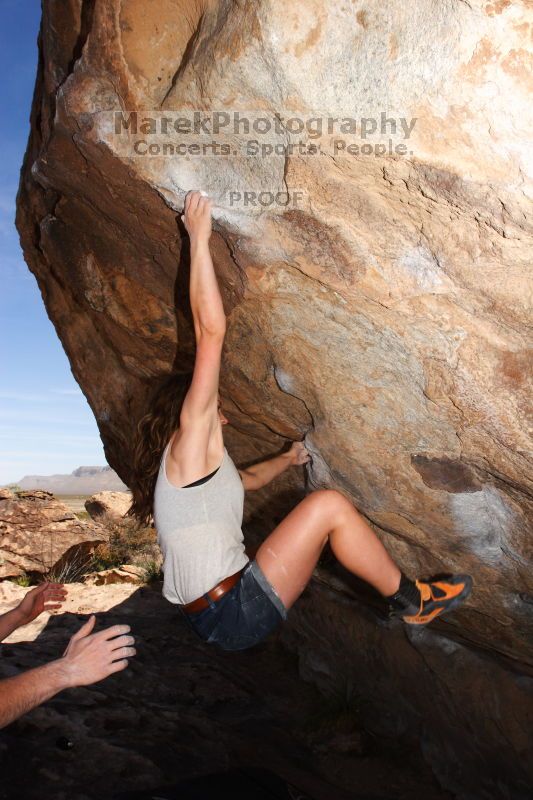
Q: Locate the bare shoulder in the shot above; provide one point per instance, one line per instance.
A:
(196, 449)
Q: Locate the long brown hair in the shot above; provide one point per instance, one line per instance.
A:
(154, 430)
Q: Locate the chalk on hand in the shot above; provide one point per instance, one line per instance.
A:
(204, 194)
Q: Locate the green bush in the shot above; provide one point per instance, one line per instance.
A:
(23, 580)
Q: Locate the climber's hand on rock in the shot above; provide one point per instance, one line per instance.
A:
(197, 215)
(91, 657)
(298, 454)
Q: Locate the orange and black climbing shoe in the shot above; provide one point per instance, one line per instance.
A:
(436, 598)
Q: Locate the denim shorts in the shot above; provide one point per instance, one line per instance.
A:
(242, 617)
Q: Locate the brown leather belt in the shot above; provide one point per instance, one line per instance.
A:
(215, 593)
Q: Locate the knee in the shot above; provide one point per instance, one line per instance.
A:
(332, 503)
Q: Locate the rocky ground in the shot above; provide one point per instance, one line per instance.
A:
(183, 709)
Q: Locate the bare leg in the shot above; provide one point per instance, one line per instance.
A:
(289, 555)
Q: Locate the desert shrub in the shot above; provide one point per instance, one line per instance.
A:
(152, 571)
(129, 543)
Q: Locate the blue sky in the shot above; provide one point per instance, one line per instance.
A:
(46, 425)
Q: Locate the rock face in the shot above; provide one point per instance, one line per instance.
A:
(38, 533)
(381, 318)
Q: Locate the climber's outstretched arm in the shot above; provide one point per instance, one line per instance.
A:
(208, 313)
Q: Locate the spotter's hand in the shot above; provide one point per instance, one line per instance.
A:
(46, 597)
(91, 657)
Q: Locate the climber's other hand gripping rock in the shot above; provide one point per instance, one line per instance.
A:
(298, 454)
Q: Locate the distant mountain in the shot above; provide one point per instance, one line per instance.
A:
(83, 480)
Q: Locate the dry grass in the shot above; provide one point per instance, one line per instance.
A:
(129, 543)
(71, 568)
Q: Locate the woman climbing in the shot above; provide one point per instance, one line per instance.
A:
(185, 477)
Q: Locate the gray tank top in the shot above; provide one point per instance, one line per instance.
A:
(199, 531)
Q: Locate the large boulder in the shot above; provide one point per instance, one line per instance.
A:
(381, 317)
(39, 534)
(108, 504)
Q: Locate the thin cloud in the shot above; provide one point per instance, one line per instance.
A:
(64, 438)
(29, 418)
(24, 455)
(30, 397)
